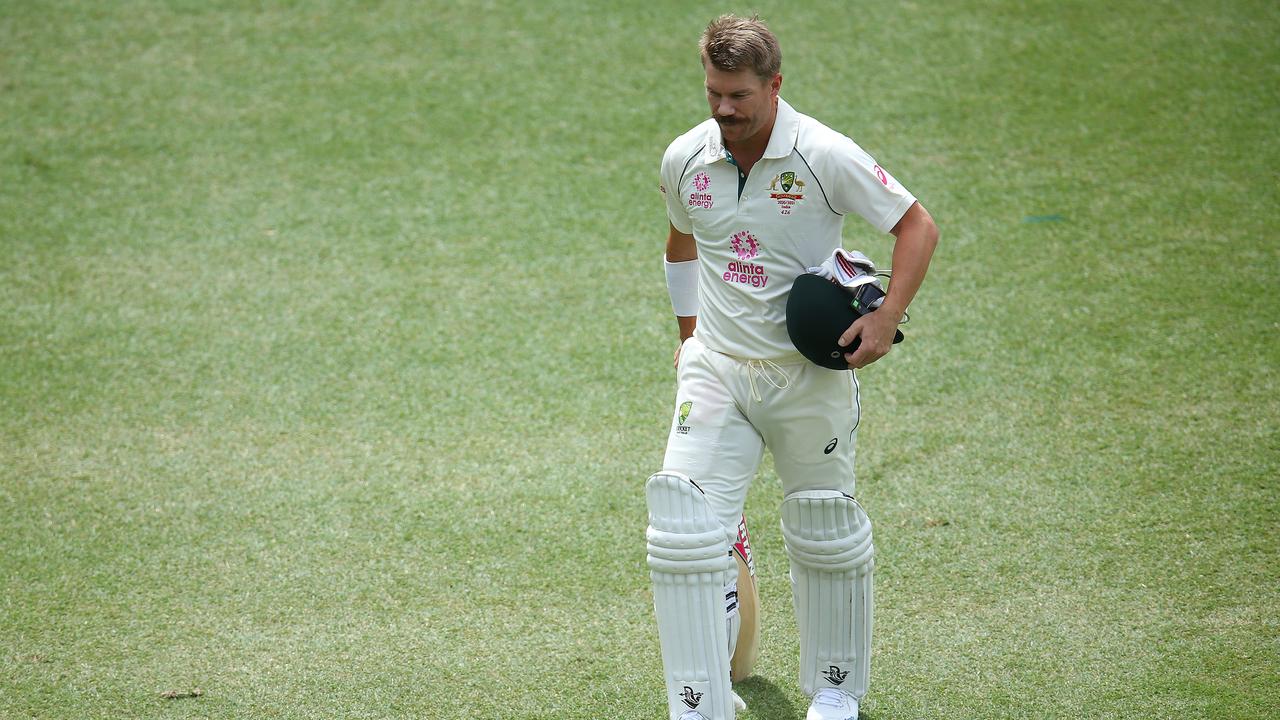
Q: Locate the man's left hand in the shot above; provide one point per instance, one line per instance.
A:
(876, 330)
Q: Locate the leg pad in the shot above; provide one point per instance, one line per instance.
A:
(828, 540)
(690, 565)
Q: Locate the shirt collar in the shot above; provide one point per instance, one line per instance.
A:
(782, 139)
(786, 130)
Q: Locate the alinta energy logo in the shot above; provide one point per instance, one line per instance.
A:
(700, 197)
(786, 182)
(740, 272)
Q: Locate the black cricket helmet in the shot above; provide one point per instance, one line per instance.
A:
(818, 313)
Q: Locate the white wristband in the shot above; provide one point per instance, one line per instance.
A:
(682, 286)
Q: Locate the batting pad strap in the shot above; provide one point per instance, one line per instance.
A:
(682, 286)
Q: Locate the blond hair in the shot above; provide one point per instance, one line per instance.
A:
(734, 43)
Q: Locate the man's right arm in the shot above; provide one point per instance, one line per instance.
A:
(682, 252)
(682, 248)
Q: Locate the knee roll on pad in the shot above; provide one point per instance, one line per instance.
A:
(690, 566)
(828, 541)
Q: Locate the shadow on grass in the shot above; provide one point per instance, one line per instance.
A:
(765, 700)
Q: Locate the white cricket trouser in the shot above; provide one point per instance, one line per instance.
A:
(728, 410)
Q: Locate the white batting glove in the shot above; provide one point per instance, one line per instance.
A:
(850, 269)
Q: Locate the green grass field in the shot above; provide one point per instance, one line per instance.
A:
(334, 352)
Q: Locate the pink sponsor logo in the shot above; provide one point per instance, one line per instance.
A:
(701, 200)
(745, 245)
(745, 273)
(885, 179)
(699, 197)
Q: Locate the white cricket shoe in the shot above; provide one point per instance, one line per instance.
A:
(832, 704)
(692, 715)
(738, 703)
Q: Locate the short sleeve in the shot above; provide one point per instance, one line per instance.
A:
(669, 184)
(859, 185)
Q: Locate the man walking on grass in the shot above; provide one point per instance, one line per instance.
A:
(756, 195)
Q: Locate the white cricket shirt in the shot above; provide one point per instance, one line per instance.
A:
(753, 244)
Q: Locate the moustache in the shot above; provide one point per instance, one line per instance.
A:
(730, 121)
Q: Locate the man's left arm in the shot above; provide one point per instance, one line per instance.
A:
(916, 237)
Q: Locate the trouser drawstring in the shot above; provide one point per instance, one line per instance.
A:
(770, 372)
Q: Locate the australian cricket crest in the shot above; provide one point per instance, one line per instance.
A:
(686, 407)
(787, 190)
